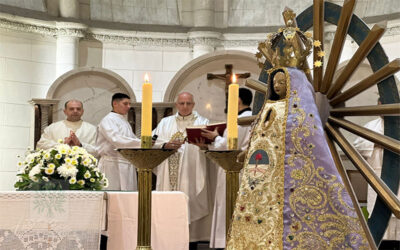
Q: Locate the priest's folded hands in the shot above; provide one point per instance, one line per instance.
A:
(72, 140)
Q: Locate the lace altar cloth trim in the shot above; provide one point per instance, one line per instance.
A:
(50, 220)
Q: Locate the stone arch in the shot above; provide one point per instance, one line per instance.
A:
(178, 80)
(91, 71)
(93, 86)
(209, 95)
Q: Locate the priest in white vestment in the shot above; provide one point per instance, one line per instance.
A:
(218, 228)
(186, 170)
(72, 131)
(114, 131)
(373, 153)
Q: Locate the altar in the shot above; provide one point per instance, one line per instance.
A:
(76, 220)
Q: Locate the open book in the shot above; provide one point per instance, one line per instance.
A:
(194, 132)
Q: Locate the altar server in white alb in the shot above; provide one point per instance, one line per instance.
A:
(217, 239)
(186, 170)
(73, 131)
(114, 131)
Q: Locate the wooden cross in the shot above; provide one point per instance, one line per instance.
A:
(227, 77)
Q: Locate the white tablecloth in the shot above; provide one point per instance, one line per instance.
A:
(50, 220)
(169, 229)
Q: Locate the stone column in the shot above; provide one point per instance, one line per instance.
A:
(204, 42)
(66, 54)
(67, 49)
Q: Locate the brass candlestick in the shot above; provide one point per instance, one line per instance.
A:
(226, 159)
(145, 160)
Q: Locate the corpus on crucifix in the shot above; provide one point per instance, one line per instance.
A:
(227, 77)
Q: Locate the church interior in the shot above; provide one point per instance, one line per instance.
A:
(52, 51)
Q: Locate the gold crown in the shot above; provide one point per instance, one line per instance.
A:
(289, 47)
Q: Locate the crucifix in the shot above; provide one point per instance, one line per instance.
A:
(227, 77)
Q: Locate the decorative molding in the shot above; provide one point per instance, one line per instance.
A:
(42, 29)
(152, 39)
(139, 41)
(155, 39)
(392, 31)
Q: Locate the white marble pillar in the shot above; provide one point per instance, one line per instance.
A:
(66, 54)
(204, 42)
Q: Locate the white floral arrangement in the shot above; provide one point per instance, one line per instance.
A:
(61, 167)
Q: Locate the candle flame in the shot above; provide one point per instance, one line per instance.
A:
(234, 79)
(146, 78)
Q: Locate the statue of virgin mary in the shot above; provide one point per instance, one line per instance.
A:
(291, 195)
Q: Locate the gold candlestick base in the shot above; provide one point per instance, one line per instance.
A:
(145, 160)
(227, 160)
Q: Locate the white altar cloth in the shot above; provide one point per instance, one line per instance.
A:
(50, 219)
(169, 223)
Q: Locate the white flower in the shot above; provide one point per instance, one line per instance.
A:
(49, 171)
(86, 162)
(38, 166)
(34, 171)
(72, 180)
(47, 156)
(67, 170)
(87, 174)
(60, 141)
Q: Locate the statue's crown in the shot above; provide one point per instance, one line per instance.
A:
(289, 47)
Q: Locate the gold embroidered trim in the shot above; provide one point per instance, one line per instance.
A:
(320, 218)
(173, 163)
(257, 221)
